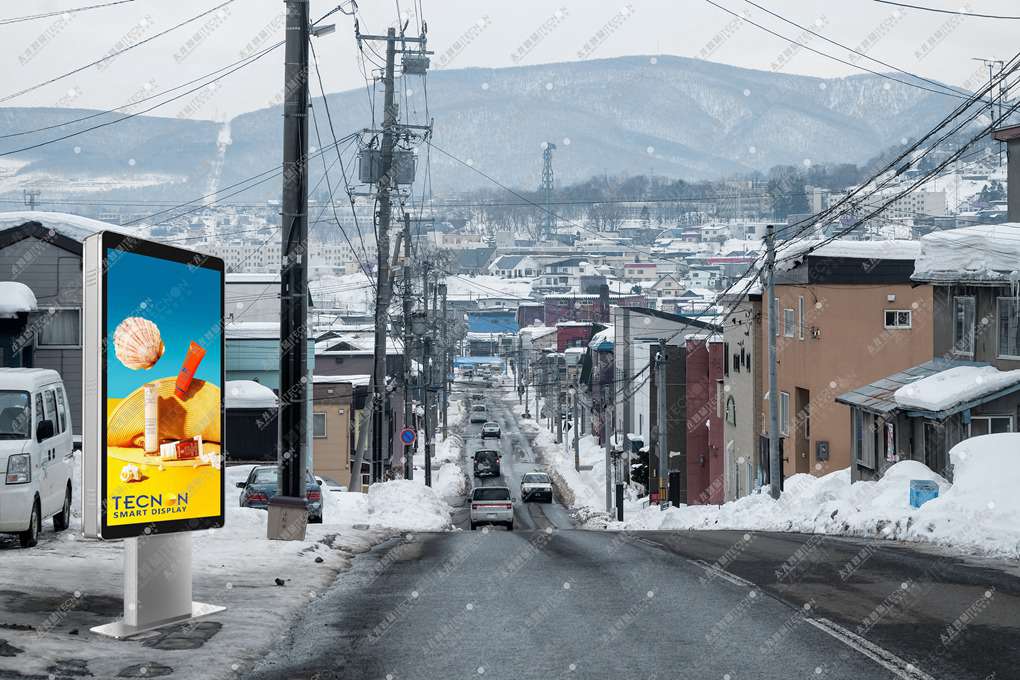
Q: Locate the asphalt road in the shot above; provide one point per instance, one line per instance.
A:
(554, 602)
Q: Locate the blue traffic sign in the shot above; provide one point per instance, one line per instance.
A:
(407, 435)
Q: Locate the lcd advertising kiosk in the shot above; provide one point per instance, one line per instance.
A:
(152, 431)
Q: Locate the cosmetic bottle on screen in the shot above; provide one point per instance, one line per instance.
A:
(191, 361)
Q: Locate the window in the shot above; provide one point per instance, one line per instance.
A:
(736, 363)
(898, 318)
(1009, 327)
(50, 404)
(731, 411)
(800, 317)
(319, 425)
(61, 410)
(865, 435)
(62, 328)
(990, 425)
(963, 325)
(789, 323)
(784, 413)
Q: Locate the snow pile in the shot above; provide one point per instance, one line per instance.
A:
(982, 253)
(401, 504)
(16, 298)
(249, 394)
(954, 386)
(792, 255)
(976, 514)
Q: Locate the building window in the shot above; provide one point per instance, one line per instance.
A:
(990, 425)
(865, 435)
(898, 318)
(61, 328)
(1009, 328)
(784, 413)
(963, 325)
(789, 323)
(800, 317)
(319, 425)
(731, 411)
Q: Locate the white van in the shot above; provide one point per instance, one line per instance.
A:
(35, 452)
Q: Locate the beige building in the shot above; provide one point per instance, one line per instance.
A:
(332, 407)
(848, 315)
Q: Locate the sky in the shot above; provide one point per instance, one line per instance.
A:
(177, 298)
(468, 33)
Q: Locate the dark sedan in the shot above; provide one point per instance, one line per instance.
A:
(262, 484)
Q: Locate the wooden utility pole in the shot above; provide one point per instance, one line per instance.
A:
(408, 344)
(775, 457)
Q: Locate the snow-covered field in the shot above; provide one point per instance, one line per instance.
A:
(238, 567)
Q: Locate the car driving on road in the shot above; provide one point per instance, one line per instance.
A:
(492, 505)
(479, 413)
(536, 486)
(491, 429)
(487, 463)
(262, 485)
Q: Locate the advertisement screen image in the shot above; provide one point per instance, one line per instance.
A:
(163, 373)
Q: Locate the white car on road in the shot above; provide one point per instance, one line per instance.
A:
(492, 505)
(536, 486)
(35, 452)
(479, 413)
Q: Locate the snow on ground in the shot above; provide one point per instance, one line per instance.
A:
(954, 386)
(976, 514)
(448, 478)
(236, 566)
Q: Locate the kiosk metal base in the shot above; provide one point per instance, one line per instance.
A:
(157, 586)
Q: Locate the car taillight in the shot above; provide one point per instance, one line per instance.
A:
(476, 506)
(19, 469)
(258, 496)
(315, 495)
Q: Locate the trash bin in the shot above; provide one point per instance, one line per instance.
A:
(922, 491)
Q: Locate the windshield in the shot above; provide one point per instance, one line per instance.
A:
(15, 415)
(536, 479)
(478, 407)
(492, 493)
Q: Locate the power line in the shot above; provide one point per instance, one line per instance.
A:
(114, 53)
(829, 56)
(60, 12)
(957, 12)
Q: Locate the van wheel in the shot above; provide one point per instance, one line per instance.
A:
(30, 536)
(62, 520)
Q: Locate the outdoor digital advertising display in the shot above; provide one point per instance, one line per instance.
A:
(156, 443)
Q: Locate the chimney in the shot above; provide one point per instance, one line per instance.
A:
(1011, 135)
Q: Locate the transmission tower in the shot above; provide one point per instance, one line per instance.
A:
(547, 190)
(31, 196)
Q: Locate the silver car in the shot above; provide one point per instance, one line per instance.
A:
(536, 486)
(479, 414)
(491, 429)
(492, 505)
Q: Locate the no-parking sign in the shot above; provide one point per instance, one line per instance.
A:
(407, 435)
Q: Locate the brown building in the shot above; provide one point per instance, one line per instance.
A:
(332, 435)
(848, 314)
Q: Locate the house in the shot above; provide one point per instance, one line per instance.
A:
(586, 307)
(561, 275)
(17, 303)
(334, 429)
(705, 362)
(742, 399)
(575, 334)
(528, 313)
(43, 251)
(848, 314)
(251, 422)
(515, 266)
(640, 272)
(971, 384)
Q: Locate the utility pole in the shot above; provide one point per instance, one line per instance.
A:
(577, 431)
(444, 322)
(559, 405)
(425, 375)
(382, 300)
(294, 387)
(408, 344)
(775, 458)
(628, 377)
(662, 448)
(609, 407)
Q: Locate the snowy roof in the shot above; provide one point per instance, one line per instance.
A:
(985, 253)
(603, 340)
(248, 277)
(356, 380)
(878, 397)
(537, 331)
(72, 226)
(792, 255)
(955, 386)
(249, 394)
(15, 298)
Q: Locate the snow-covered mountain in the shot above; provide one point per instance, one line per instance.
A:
(666, 115)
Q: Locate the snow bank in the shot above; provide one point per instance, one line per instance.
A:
(975, 514)
(954, 386)
(982, 253)
(16, 298)
(249, 394)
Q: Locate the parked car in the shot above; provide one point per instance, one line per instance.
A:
(262, 484)
(477, 396)
(35, 452)
(487, 463)
(536, 486)
(491, 429)
(492, 505)
(479, 413)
